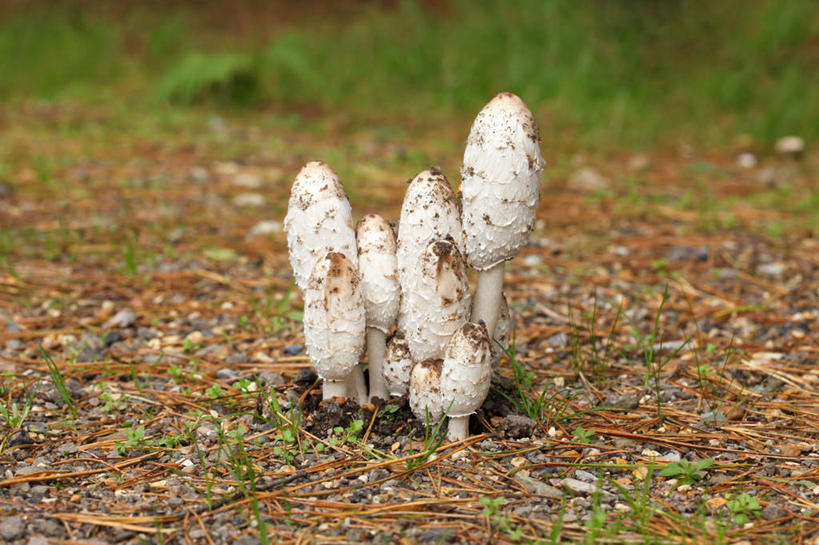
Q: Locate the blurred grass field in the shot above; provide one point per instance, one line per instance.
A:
(598, 74)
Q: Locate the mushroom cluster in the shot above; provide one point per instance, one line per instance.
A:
(406, 299)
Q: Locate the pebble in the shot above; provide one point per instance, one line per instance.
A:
(559, 340)
(251, 200)
(293, 349)
(688, 253)
(639, 162)
(266, 227)
(578, 487)
(236, 358)
(746, 160)
(37, 540)
(627, 401)
(122, 319)
(584, 475)
(12, 528)
(771, 269)
(588, 179)
(226, 373)
(247, 179)
(669, 347)
(771, 512)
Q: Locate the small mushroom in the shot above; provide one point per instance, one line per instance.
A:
(500, 181)
(398, 365)
(379, 282)
(425, 391)
(465, 376)
(503, 331)
(319, 220)
(334, 321)
(437, 300)
(429, 212)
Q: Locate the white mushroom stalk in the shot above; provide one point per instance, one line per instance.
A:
(429, 212)
(398, 365)
(503, 332)
(425, 392)
(334, 322)
(437, 300)
(319, 220)
(500, 189)
(465, 376)
(379, 282)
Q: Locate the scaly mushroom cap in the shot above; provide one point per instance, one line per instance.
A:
(377, 267)
(467, 370)
(429, 212)
(334, 317)
(500, 181)
(318, 220)
(438, 300)
(397, 365)
(503, 330)
(425, 391)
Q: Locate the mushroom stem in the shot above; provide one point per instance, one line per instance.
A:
(458, 428)
(376, 349)
(488, 296)
(356, 386)
(334, 388)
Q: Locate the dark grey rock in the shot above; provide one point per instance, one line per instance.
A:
(293, 349)
(771, 512)
(626, 401)
(305, 377)
(517, 426)
(688, 253)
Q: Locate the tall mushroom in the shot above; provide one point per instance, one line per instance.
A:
(465, 376)
(499, 184)
(437, 300)
(334, 321)
(429, 212)
(379, 282)
(425, 391)
(397, 365)
(319, 220)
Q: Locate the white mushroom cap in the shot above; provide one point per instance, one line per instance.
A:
(425, 391)
(334, 317)
(438, 300)
(429, 212)
(503, 330)
(500, 181)
(466, 371)
(398, 365)
(318, 220)
(377, 268)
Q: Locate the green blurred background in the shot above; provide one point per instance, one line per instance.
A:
(610, 74)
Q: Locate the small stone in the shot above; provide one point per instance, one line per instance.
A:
(578, 487)
(626, 401)
(250, 200)
(268, 378)
(199, 175)
(771, 512)
(266, 227)
(771, 269)
(236, 358)
(688, 253)
(194, 338)
(226, 373)
(12, 528)
(588, 179)
(122, 319)
(669, 347)
(293, 349)
(305, 377)
(585, 476)
(559, 340)
(639, 162)
(516, 426)
(247, 179)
